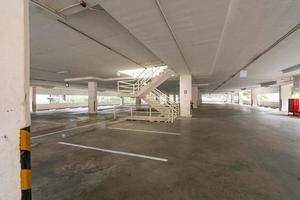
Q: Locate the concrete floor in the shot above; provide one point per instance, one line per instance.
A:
(223, 152)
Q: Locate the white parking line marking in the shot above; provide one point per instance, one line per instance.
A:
(145, 131)
(116, 152)
(61, 131)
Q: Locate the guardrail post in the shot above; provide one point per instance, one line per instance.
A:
(25, 159)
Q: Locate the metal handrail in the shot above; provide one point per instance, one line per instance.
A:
(142, 79)
(157, 95)
(147, 77)
(140, 74)
(167, 98)
(173, 107)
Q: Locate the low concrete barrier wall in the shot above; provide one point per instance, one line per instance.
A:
(269, 104)
(246, 102)
(51, 106)
(59, 106)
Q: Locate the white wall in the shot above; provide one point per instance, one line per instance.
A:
(14, 101)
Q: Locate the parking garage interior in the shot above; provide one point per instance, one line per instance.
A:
(153, 99)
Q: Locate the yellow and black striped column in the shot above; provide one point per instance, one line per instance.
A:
(25, 148)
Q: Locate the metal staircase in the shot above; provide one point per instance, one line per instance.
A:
(145, 86)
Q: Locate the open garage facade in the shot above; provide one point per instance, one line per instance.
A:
(154, 99)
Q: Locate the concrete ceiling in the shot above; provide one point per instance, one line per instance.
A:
(210, 39)
(56, 47)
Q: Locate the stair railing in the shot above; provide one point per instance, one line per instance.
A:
(147, 77)
(166, 101)
(135, 85)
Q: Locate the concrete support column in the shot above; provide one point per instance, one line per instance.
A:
(285, 92)
(138, 101)
(296, 84)
(254, 97)
(122, 101)
(185, 95)
(64, 97)
(170, 97)
(33, 99)
(241, 98)
(199, 98)
(195, 96)
(92, 91)
(228, 98)
(14, 101)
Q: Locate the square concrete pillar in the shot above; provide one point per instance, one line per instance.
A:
(195, 96)
(254, 97)
(185, 95)
(232, 97)
(199, 98)
(228, 98)
(14, 101)
(285, 92)
(241, 98)
(92, 91)
(122, 101)
(296, 84)
(170, 97)
(138, 101)
(32, 99)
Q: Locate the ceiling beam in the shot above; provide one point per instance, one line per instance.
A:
(49, 9)
(100, 43)
(172, 34)
(93, 78)
(269, 48)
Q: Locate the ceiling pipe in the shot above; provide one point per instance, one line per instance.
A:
(290, 32)
(93, 78)
(100, 43)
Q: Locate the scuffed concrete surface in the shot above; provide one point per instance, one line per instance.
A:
(224, 152)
